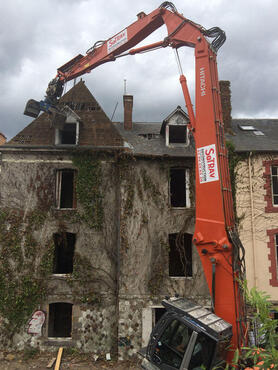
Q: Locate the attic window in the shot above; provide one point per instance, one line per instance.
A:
(68, 134)
(176, 134)
(246, 128)
(258, 133)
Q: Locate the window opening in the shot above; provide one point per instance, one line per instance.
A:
(179, 187)
(63, 253)
(246, 127)
(177, 134)
(172, 344)
(65, 189)
(68, 134)
(274, 183)
(180, 255)
(60, 320)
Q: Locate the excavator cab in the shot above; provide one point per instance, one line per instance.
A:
(187, 337)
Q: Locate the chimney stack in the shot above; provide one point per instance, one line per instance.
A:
(128, 105)
(225, 92)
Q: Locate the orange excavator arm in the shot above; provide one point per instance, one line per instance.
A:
(215, 234)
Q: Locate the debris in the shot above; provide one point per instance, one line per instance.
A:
(51, 363)
(10, 357)
(59, 357)
(95, 357)
(108, 357)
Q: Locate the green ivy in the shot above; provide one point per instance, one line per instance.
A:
(88, 188)
(22, 286)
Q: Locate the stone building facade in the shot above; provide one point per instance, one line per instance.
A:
(96, 228)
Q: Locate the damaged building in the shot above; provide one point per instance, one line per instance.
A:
(96, 228)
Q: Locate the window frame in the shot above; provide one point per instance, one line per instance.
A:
(58, 134)
(58, 188)
(273, 256)
(270, 206)
(167, 135)
(186, 184)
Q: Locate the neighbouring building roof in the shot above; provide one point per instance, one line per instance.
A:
(254, 135)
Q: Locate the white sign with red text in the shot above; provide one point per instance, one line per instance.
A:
(116, 41)
(207, 164)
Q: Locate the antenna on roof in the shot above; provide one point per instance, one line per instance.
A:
(114, 111)
(124, 86)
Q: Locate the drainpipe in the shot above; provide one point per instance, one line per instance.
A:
(255, 279)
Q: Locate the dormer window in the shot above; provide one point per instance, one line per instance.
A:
(67, 131)
(177, 134)
(174, 129)
(67, 134)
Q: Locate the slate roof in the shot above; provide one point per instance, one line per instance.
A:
(244, 141)
(249, 141)
(154, 146)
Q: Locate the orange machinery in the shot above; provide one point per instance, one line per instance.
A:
(215, 236)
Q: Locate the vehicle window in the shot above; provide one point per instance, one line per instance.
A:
(202, 353)
(172, 344)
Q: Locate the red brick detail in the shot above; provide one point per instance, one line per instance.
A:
(272, 257)
(128, 105)
(267, 175)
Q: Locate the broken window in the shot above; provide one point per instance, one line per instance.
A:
(179, 187)
(180, 255)
(63, 253)
(274, 183)
(65, 189)
(177, 134)
(68, 134)
(60, 320)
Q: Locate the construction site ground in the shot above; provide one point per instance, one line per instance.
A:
(70, 361)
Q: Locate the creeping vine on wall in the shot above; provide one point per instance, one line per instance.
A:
(89, 188)
(24, 263)
(234, 159)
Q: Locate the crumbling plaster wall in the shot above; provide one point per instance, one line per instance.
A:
(27, 195)
(254, 222)
(146, 221)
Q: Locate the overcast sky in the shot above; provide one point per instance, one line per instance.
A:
(38, 36)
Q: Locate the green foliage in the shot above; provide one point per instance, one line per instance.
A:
(22, 286)
(265, 354)
(88, 188)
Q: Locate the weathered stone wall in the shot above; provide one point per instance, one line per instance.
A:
(29, 220)
(146, 221)
(121, 258)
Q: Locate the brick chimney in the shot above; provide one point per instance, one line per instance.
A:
(225, 92)
(3, 139)
(128, 105)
